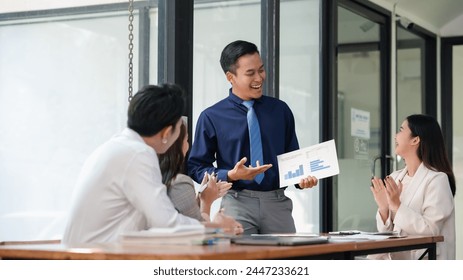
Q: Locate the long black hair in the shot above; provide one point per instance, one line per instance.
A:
(172, 161)
(432, 151)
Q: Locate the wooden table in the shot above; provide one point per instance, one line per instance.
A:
(112, 251)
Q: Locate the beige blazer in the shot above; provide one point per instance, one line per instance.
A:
(427, 208)
(183, 195)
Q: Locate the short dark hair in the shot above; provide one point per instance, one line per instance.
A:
(155, 107)
(233, 51)
(172, 161)
(432, 151)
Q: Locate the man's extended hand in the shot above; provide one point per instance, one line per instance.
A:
(243, 172)
(309, 182)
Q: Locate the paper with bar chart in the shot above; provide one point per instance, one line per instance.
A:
(319, 160)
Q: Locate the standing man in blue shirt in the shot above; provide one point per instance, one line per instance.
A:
(222, 137)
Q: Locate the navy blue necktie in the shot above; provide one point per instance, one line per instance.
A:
(255, 140)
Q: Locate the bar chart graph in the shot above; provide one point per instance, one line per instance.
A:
(296, 173)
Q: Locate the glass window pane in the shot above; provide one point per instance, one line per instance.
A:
(63, 92)
(358, 119)
(299, 87)
(355, 29)
(227, 21)
(410, 49)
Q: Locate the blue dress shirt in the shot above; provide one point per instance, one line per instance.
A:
(222, 135)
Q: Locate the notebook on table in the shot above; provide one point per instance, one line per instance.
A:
(279, 240)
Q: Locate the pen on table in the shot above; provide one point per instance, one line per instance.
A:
(205, 242)
(343, 232)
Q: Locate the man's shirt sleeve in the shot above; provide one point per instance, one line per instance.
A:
(202, 152)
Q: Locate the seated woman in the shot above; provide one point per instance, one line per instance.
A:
(180, 187)
(419, 199)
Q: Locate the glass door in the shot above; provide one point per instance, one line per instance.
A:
(410, 82)
(361, 108)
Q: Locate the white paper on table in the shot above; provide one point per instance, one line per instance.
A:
(319, 160)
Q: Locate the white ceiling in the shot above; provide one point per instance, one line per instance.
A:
(437, 13)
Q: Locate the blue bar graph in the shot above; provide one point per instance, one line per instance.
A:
(317, 165)
(298, 172)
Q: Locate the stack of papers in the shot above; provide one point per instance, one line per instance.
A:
(180, 235)
(356, 235)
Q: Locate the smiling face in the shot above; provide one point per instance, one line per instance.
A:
(406, 144)
(249, 78)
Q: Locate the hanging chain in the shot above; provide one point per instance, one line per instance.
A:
(130, 49)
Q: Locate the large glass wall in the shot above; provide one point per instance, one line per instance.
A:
(63, 92)
(358, 120)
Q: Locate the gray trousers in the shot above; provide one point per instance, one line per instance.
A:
(260, 212)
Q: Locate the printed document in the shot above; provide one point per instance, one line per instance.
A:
(319, 160)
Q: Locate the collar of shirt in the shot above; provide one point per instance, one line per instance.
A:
(130, 133)
(235, 99)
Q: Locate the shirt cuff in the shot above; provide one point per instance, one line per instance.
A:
(222, 175)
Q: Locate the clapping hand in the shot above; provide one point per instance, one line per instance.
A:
(387, 195)
(209, 190)
(213, 189)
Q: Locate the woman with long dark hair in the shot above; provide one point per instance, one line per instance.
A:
(180, 187)
(419, 199)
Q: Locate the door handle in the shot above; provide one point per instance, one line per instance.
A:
(373, 164)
